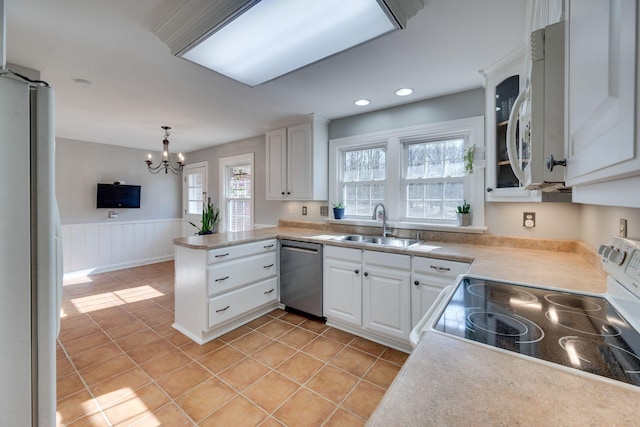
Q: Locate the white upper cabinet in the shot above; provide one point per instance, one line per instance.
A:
(504, 81)
(603, 151)
(297, 159)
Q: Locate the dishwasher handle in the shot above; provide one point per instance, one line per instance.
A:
(296, 249)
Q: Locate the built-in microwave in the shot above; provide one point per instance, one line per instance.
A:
(536, 153)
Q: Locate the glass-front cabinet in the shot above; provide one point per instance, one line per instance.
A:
(503, 84)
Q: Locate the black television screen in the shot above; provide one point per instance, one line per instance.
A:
(118, 196)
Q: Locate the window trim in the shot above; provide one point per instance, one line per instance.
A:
(231, 161)
(341, 168)
(471, 129)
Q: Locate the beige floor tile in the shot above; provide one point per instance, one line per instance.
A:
(108, 313)
(304, 409)
(136, 405)
(368, 346)
(126, 329)
(237, 413)
(96, 355)
(196, 350)
(300, 367)
(106, 369)
(95, 420)
(75, 406)
(164, 329)
(134, 340)
(297, 338)
(176, 338)
(68, 335)
(364, 399)
(221, 359)
(82, 320)
(68, 385)
(169, 415)
(342, 418)
(271, 422)
(235, 334)
(63, 366)
(165, 363)
(115, 321)
(323, 348)
(202, 400)
(338, 335)
(275, 328)
(382, 373)
(244, 373)
(273, 354)
(251, 342)
(184, 379)
(332, 383)
(165, 318)
(394, 356)
(256, 323)
(353, 360)
(149, 311)
(270, 391)
(277, 313)
(86, 343)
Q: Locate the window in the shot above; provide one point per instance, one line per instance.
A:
(362, 180)
(434, 179)
(237, 192)
(417, 172)
(195, 192)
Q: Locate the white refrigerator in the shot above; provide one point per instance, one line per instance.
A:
(30, 257)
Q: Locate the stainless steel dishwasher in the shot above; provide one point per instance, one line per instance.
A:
(301, 276)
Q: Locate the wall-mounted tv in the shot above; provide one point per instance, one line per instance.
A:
(118, 196)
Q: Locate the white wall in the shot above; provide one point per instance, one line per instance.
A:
(553, 220)
(600, 223)
(81, 165)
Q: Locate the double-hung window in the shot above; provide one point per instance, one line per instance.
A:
(434, 179)
(236, 192)
(362, 179)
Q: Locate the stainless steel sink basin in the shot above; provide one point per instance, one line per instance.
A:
(354, 238)
(380, 241)
(394, 242)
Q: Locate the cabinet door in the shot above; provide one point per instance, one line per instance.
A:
(601, 91)
(276, 164)
(342, 291)
(423, 295)
(300, 162)
(386, 301)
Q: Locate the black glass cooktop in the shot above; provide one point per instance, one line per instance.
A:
(578, 331)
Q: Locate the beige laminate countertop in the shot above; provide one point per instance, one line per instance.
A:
(447, 381)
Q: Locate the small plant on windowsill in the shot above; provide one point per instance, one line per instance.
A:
(469, 157)
(210, 219)
(463, 213)
(338, 210)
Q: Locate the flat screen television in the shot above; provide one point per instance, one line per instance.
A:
(118, 196)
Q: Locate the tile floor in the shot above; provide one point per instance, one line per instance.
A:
(120, 362)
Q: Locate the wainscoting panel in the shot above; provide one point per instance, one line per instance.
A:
(110, 246)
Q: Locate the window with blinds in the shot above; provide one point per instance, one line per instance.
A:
(238, 198)
(362, 180)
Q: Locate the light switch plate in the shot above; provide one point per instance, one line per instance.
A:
(304, 210)
(324, 210)
(623, 227)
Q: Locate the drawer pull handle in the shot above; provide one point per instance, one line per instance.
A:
(222, 255)
(268, 246)
(221, 279)
(267, 266)
(268, 292)
(441, 269)
(223, 309)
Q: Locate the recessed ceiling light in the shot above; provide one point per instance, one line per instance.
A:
(362, 102)
(404, 91)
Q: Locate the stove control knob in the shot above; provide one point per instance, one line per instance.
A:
(616, 256)
(605, 251)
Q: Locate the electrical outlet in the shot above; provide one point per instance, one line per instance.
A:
(324, 210)
(623, 227)
(304, 210)
(529, 219)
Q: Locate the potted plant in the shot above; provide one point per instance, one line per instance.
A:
(464, 214)
(210, 219)
(338, 210)
(469, 157)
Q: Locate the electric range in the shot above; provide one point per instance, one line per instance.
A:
(586, 333)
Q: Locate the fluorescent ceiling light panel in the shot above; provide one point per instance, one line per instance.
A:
(275, 37)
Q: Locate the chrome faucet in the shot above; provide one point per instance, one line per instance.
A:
(384, 217)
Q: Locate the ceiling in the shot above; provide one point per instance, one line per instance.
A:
(137, 85)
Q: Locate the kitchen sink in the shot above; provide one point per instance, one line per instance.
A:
(379, 241)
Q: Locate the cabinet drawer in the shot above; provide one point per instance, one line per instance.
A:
(226, 307)
(240, 251)
(439, 268)
(225, 276)
(385, 259)
(345, 254)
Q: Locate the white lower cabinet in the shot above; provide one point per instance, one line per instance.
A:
(387, 294)
(429, 276)
(342, 286)
(220, 289)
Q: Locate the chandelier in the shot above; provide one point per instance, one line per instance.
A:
(166, 162)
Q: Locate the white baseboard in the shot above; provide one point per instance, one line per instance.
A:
(107, 268)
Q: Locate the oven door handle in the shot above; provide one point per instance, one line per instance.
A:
(418, 331)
